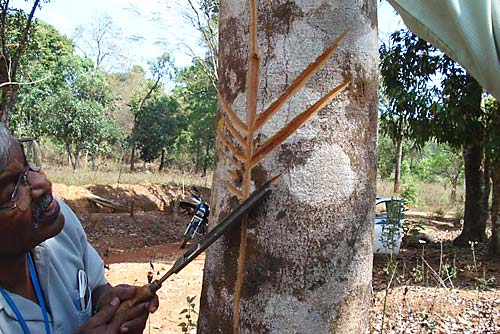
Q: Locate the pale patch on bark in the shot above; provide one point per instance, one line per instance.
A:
(279, 307)
(233, 78)
(328, 162)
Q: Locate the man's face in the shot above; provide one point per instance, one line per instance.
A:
(18, 233)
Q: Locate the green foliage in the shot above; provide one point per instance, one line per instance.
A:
(391, 232)
(157, 127)
(417, 274)
(188, 324)
(72, 106)
(122, 87)
(409, 192)
(407, 63)
(198, 100)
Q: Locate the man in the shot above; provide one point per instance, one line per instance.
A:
(51, 279)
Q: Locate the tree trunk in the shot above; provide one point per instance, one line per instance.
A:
(71, 157)
(495, 201)
(474, 228)
(162, 160)
(397, 171)
(486, 190)
(474, 225)
(7, 104)
(132, 158)
(453, 194)
(309, 246)
(495, 211)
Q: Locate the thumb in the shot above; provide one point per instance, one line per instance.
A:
(124, 291)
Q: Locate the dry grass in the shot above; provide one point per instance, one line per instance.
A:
(431, 197)
(113, 174)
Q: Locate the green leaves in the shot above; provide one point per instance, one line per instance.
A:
(187, 325)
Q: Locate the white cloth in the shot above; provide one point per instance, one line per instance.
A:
(57, 261)
(468, 31)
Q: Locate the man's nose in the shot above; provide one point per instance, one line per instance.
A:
(39, 183)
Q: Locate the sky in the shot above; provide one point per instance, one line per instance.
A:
(161, 24)
(155, 21)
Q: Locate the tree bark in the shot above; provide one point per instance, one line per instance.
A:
(485, 215)
(495, 201)
(495, 211)
(309, 246)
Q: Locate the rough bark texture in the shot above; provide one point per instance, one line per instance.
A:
(474, 225)
(495, 211)
(308, 267)
(495, 201)
(475, 217)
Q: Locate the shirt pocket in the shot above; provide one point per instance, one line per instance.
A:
(83, 315)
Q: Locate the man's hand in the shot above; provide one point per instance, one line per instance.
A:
(131, 321)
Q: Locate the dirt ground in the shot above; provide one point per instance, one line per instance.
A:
(436, 288)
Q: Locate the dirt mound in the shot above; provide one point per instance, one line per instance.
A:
(93, 198)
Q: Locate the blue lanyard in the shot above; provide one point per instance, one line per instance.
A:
(38, 292)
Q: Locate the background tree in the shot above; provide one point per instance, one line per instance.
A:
(77, 109)
(459, 121)
(442, 162)
(157, 127)
(455, 116)
(493, 149)
(15, 35)
(160, 68)
(198, 98)
(204, 16)
(40, 63)
(406, 65)
(300, 277)
(102, 42)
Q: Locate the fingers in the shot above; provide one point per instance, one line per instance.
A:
(102, 317)
(124, 291)
(134, 320)
(154, 304)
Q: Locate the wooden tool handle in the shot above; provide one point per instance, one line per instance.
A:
(143, 294)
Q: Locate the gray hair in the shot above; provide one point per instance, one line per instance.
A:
(5, 142)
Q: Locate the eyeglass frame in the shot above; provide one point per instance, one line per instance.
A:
(22, 179)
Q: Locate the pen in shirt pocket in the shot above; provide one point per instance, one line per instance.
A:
(83, 291)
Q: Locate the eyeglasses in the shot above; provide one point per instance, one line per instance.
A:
(33, 162)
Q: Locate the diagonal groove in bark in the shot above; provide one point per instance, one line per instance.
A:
(235, 119)
(230, 146)
(234, 190)
(234, 175)
(294, 124)
(241, 140)
(299, 82)
(236, 163)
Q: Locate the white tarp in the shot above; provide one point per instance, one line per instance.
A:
(468, 31)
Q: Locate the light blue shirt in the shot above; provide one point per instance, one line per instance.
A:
(57, 261)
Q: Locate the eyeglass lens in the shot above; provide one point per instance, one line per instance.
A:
(21, 193)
